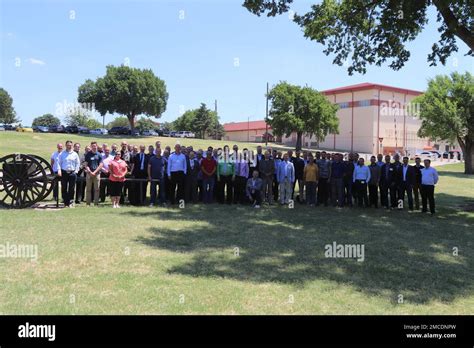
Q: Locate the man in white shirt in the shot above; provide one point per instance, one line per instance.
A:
(69, 165)
(106, 159)
(176, 172)
(55, 165)
(429, 178)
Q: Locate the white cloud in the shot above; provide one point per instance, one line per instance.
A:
(36, 61)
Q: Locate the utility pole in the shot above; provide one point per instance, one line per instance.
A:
(266, 120)
(217, 118)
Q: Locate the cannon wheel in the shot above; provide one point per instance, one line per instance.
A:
(23, 181)
(52, 180)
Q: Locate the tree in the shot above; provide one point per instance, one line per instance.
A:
(447, 113)
(7, 112)
(82, 119)
(47, 120)
(126, 91)
(118, 122)
(202, 121)
(216, 131)
(146, 124)
(185, 121)
(374, 31)
(301, 110)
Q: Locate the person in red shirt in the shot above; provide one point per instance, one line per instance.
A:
(208, 168)
(117, 169)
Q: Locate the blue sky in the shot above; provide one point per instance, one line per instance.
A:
(203, 49)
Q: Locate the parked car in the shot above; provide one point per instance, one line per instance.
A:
(99, 131)
(159, 132)
(455, 155)
(72, 129)
(135, 132)
(427, 155)
(42, 129)
(119, 131)
(149, 133)
(436, 153)
(9, 127)
(173, 134)
(2, 129)
(83, 130)
(166, 133)
(185, 134)
(57, 129)
(24, 129)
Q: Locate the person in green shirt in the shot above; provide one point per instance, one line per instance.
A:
(225, 176)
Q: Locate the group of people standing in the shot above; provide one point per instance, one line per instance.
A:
(239, 177)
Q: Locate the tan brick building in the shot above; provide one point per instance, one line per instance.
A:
(373, 118)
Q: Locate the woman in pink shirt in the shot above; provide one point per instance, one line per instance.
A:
(118, 170)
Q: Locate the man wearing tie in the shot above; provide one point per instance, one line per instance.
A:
(417, 185)
(192, 178)
(139, 171)
(406, 185)
(386, 172)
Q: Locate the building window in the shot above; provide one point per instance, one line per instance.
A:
(343, 105)
(364, 103)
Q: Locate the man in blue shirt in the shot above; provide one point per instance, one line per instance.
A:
(429, 178)
(69, 164)
(361, 177)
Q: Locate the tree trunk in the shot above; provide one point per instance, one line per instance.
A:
(299, 140)
(131, 119)
(468, 154)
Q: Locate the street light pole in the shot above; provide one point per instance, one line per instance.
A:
(217, 118)
(266, 119)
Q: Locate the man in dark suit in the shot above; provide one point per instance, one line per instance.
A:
(348, 179)
(396, 182)
(299, 164)
(192, 174)
(417, 185)
(386, 173)
(407, 183)
(139, 171)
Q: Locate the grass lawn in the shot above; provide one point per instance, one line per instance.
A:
(237, 260)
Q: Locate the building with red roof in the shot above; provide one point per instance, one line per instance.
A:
(373, 118)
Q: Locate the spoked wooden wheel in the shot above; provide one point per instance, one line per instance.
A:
(23, 181)
(52, 180)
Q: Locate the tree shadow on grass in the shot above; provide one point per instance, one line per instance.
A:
(407, 254)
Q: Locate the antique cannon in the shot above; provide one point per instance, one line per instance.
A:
(25, 180)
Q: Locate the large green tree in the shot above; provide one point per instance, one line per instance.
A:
(47, 120)
(447, 113)
(7, 112)
(362, 32)
(126, 91)
(302, 110)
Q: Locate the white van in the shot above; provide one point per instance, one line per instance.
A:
(185, 134)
